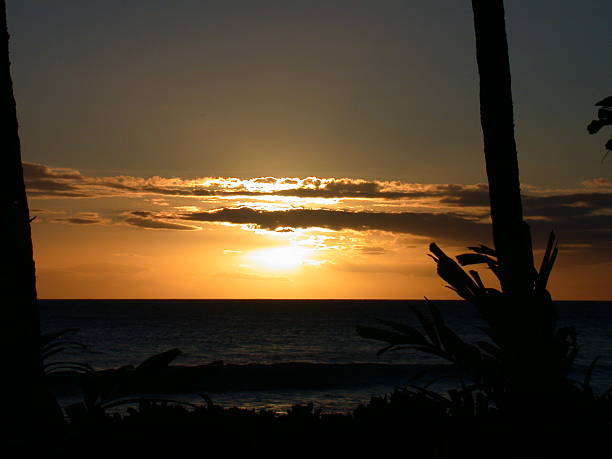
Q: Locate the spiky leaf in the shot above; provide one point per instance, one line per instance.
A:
(427, 325)
(410, 332)
(159, 361)
(466, 259)
(484, 250)
(386, 336)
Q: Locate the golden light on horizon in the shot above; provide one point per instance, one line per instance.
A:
(160, 237)
(287, 258)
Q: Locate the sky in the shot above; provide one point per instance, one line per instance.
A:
(298, 149)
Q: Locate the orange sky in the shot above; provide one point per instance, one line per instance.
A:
(133, 237)
(303, 149)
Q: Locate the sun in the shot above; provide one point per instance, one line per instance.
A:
(281, 258)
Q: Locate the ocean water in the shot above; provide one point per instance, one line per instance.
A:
(269, 335)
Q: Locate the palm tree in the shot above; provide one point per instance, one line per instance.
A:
(21, 330)
(541, 352)
(510, 233)
(527, 356)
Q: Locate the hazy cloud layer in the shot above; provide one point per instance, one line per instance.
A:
(80, 218)
(50, 182)
(151, 223)
(447, 213)
(578, 228)
(436, 226)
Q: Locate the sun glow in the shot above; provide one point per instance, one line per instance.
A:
(282, 258)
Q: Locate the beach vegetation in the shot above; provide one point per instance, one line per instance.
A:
(54, 343)
(525, 351)
(518, 379)
(126, 385)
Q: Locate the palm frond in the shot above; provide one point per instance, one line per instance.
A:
(548, 261)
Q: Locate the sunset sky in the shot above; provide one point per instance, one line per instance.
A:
(298, 149)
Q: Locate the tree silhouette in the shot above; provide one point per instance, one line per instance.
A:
(22, 364)
(523, 318)
(510, 233)
(527, 357)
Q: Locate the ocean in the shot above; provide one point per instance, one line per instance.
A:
(312, 340)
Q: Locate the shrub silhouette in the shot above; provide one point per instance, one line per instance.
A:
(123, 386)
(521, 371)
(526, 352)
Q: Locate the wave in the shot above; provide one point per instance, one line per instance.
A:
(221, 378)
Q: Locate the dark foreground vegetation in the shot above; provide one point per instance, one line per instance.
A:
(411, 422)
(484, 417)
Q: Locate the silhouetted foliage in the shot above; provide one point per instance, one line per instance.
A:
(604, 118)
(416, 422)
(526, 352)
(109, 389)
(53, 343)
(518, 378)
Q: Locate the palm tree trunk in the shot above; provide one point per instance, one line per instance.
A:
(21, 330)
(510, 233)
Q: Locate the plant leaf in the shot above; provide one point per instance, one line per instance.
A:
(490, 349)
(548, 260)
(466, 259)
(76, 366)
(159, 361)
(427, 325)
(605, 102)
(51, 350)
(484, 250)
(477, 279)
(382, 335)
(589, 372)
(410, 332)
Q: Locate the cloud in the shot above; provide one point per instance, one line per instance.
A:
(81, 218)
(45, 182)
(598, 183)
(150, 223)
(459, 195)
(39, 171)
(449, 227)
(450, 213)
(371, 250)
(77, 220)
(576, 221)
(567, 206)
